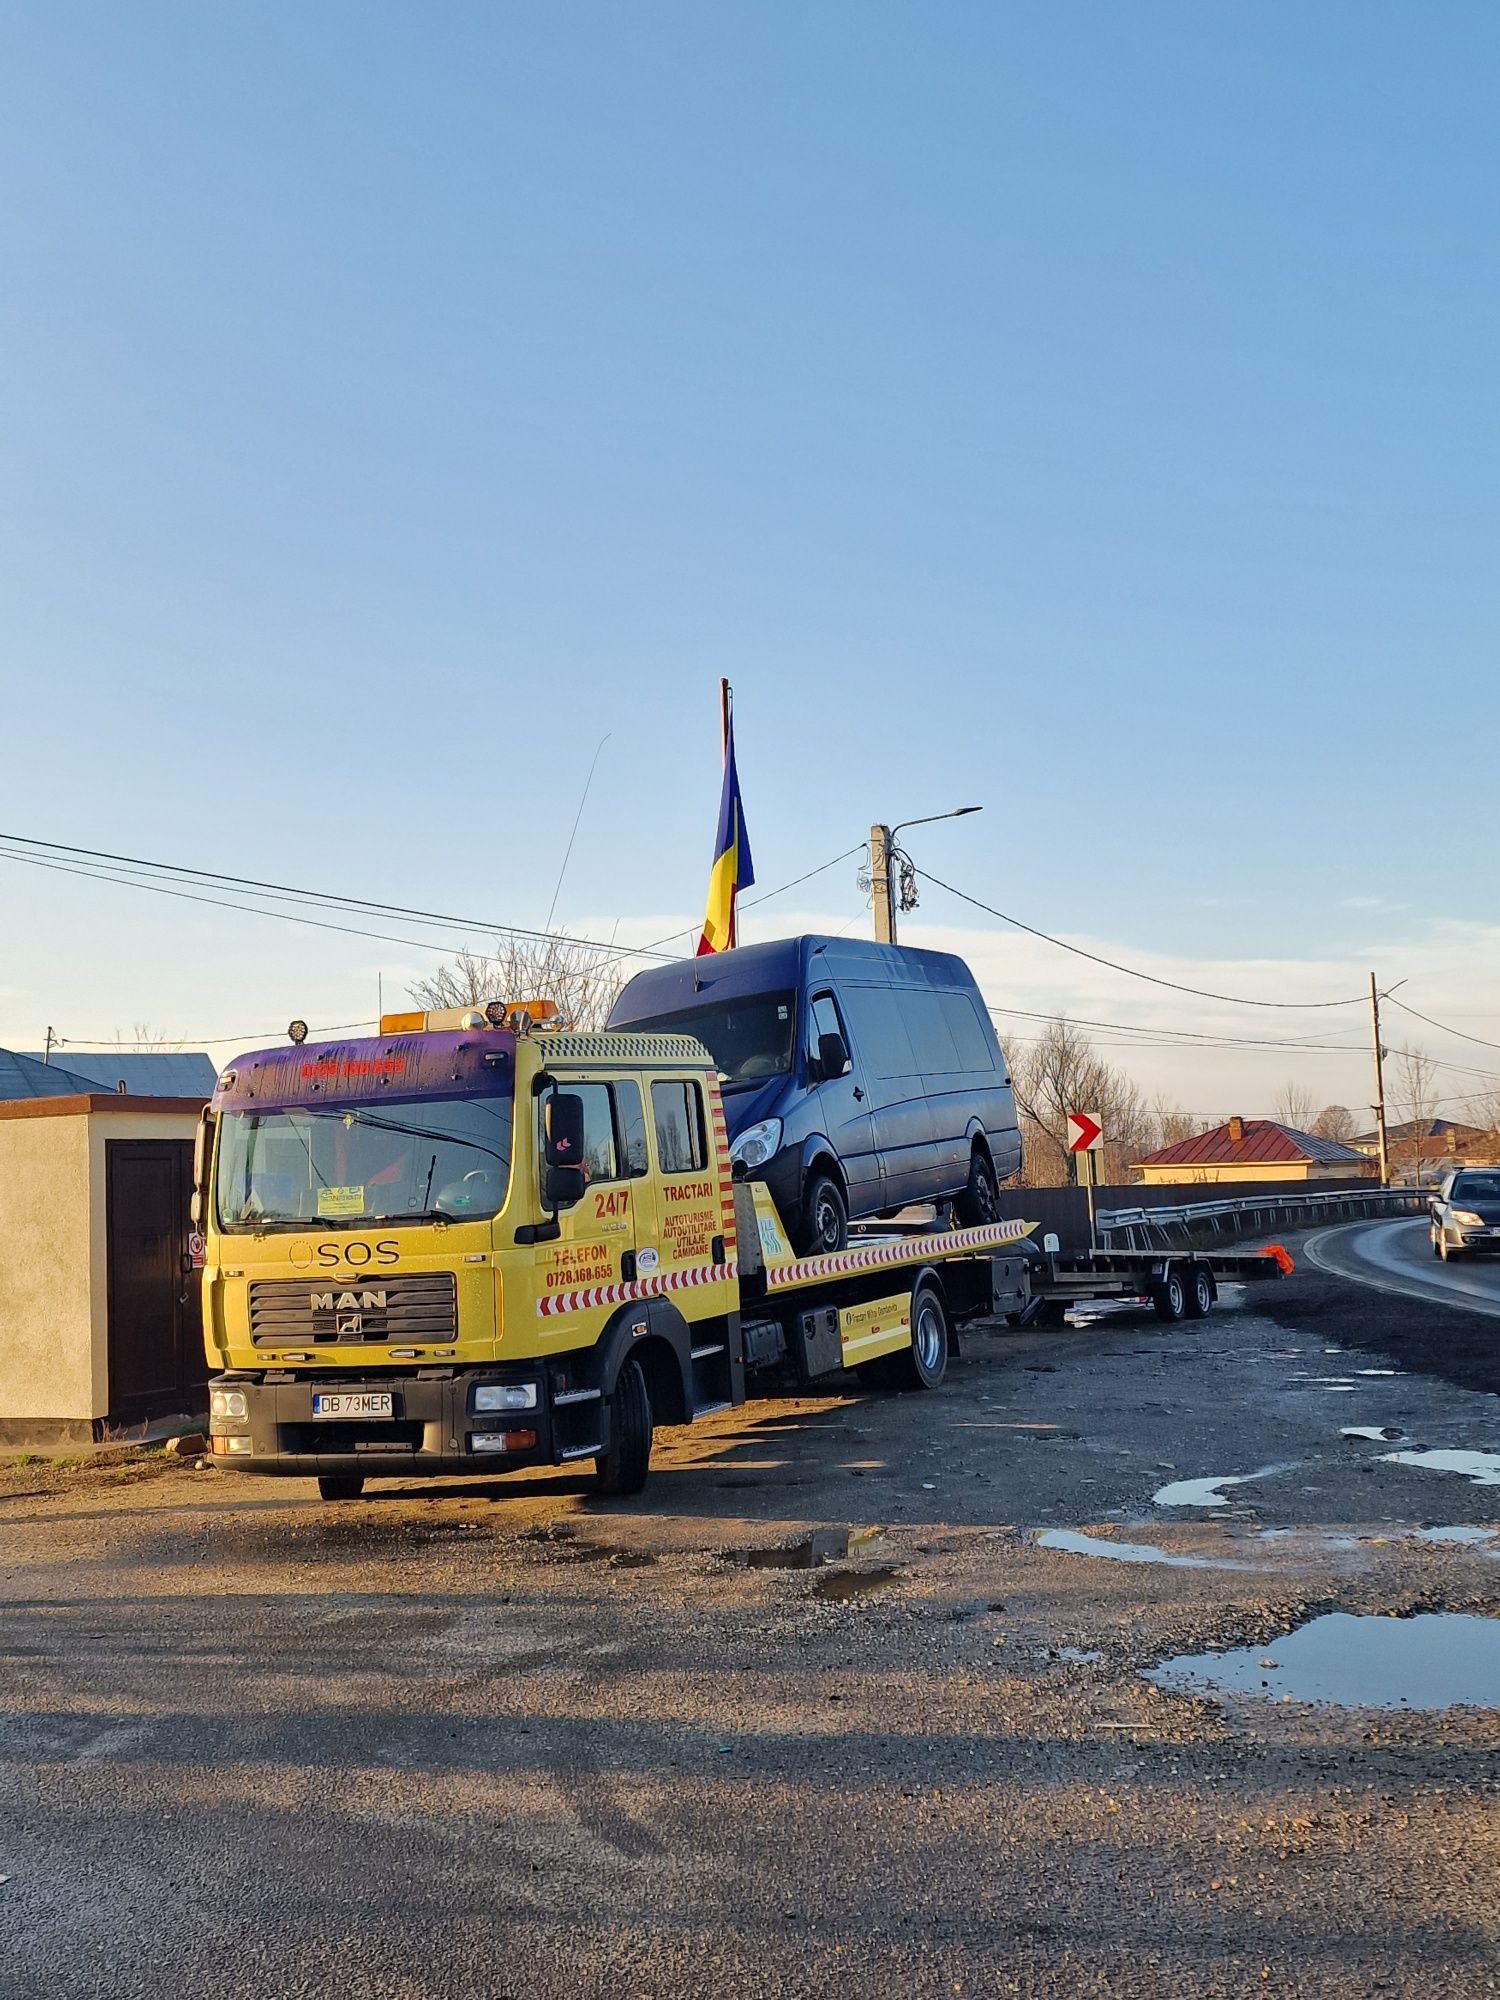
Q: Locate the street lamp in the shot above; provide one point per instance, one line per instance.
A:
(885, 858)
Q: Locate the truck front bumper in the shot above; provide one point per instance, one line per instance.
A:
(433, 1427)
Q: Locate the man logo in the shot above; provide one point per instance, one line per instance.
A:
(341, 1302)
(348, 1324)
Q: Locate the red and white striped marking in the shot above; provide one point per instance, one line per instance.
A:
(906, 1250)
(683, 1279)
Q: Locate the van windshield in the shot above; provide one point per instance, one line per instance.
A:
(748, 1039)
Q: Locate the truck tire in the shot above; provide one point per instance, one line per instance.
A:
(623, 1466)
(823, 1224)
(980, 1201)
(923, 1364)
(340, 1485)
(1170, 1298)
(1200, 1292)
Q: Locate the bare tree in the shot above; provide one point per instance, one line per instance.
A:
(1417, 1089)
(1059, 1073)
(584, 980)
(1334, 1121)
(1294, 1106)
(1171, 1124)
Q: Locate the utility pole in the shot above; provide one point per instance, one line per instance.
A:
(47, 1050)
(882, 895)
(1380, 1135)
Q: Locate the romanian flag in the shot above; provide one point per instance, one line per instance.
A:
(733, 869)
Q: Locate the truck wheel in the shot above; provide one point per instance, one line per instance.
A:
(980, 1201)
(923, 1364)
(1170, 1298)
(622, 1468)
(340, 1485)
(1200, 1292)
(823, 1225)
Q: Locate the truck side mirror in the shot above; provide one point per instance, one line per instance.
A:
(833, 1057)
(562, 1141)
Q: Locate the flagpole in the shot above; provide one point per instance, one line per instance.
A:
(725, 698)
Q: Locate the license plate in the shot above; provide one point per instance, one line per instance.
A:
(352, 1403)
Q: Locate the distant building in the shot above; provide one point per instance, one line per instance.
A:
(1253, 1149)
(157, 1073)
(1437, 1142)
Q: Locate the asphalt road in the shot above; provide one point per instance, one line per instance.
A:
(500, 1739)
(1397, 1257)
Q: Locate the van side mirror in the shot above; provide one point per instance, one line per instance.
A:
(563, 1148)
(833, 1057)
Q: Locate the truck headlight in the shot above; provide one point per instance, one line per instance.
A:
(504, 1396)
(757, 1143)
(227, 1403)
(1468, 1217)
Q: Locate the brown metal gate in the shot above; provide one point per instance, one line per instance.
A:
(157, 1367)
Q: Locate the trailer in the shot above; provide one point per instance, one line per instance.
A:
(481, 1241)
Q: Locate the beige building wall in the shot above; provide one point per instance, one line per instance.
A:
(1230, 1172)
(52, 1352)
(54, 1255)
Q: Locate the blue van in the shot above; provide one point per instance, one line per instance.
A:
(857, 1077)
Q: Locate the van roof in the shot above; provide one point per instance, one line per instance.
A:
(778, 965)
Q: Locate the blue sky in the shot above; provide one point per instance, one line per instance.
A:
(1089, 412)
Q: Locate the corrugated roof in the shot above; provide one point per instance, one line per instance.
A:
(1435, 1128)
(25, 1076)
(1263, 1143)
(159, 1073)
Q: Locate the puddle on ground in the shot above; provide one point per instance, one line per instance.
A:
(1076, 1656)
(823, 1545)
(1436, 1660)
(1376, 1433)
(1455, 1534)
(848, 1583)
(1205, 1492)
(1377, 1371)
(1078, 1544)
(1483, 1467)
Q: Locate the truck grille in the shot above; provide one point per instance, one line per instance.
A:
(418, 1306)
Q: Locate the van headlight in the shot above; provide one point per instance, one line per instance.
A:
(757, 1143)
(504, 1396)
(227, 1403)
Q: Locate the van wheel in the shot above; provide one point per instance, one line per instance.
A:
(823, 1226)
(340, 1486)
(923, 1364)
(979, 1203)
(623, 1467)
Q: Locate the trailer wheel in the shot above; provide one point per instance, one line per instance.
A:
(622, 1468)
(923, 1364)
(1200, 1292)
(340, 1485)
(1170, 1298)
(1053, 1312)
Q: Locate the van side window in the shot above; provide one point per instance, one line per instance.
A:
(975, 1050)
(678, 1111)
(879, 1031)
(600, 1155)
(632, 1121)
(825, 1020)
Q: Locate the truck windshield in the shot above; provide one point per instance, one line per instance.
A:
(343, 1165)
(748, 1039)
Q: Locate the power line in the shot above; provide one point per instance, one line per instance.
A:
(10, 843)
(1131, 971)
(249, 1037)
(750, 902)
(1188, 1036)
(1442, 1026)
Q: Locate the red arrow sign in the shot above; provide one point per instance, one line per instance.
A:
(1084, 1132)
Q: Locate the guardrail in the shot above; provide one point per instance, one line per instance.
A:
(1192, 1223)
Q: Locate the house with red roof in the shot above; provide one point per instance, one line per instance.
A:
(1253, 1149)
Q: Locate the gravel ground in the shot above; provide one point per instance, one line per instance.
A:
(502, 1739)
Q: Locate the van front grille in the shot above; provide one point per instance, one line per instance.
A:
(414, 1307)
